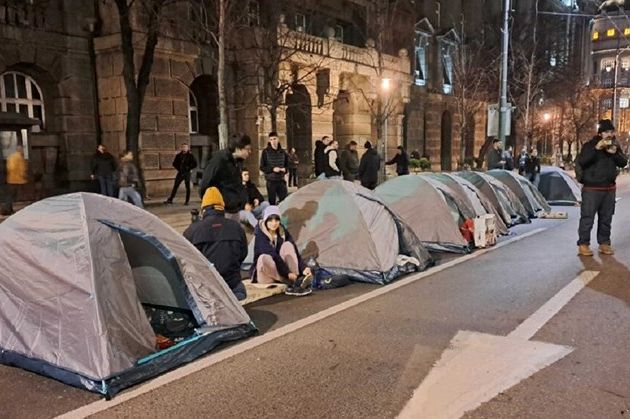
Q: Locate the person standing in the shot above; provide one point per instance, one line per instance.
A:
(349, 162)
(494, 156)
(294, 162)
(508, 157)
(184, 163)
(401, 160)
(129, 180)
(532, 167)
(103, 166)
(17, 170)
(224, 172)
(522, 161)
(274, 163)
(369, 167)
(320, 157)
(332, 170)
(599, 161)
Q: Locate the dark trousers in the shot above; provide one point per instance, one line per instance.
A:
(601, 203)
(11, 192)
(106, 184)
(277, 191)
(293, 177)
(181, 177)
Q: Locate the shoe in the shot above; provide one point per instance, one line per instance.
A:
(168, 202)
(297, 291)
(185, 204)
(606, 249)
(585, 250)
(303, 281)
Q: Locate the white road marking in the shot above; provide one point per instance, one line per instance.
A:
(476, 367)
(214, 358)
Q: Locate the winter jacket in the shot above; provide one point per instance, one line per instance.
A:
(264, 246)
(599, 167)
(271, 158)
(532, 165)
(368, 168)
(509, 160)
(16, 169)
(184, 162)
(294, 161)
(332, 162)
(494, 157)
(128, 174)
(222, 242)
(103, 165)
(320, 157)
(349, 164)
(253, 193)
(224, 173)
(402, 163)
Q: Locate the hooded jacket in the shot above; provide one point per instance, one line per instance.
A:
(349, 164)
(224, 172)
(222, 242)
(271, 158)
(320, 157)
(599, 167)
(264, 246)
(369, 167)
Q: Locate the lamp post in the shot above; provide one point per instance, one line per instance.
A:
(385, 87)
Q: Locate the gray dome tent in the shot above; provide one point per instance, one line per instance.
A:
(523, 189)
(427, 210)
(558, 187)
(77, 273)
(349, 230)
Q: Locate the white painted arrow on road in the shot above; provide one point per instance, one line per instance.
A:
(477, 367)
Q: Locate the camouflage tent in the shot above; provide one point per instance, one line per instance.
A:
(79, 275)
(526, 192)
(429, 209)
(558, 187)
(349, 230)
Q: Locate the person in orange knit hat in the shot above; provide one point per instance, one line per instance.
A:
(16, 175)
(222, 241)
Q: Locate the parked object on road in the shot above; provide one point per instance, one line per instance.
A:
(558, 187)
(526, 192)
(351, 231)
(88, 265)
(432, 213)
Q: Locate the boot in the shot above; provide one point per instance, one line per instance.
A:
(606, 249)
(585, 250)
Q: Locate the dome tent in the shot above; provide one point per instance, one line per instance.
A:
(93, 265)
(427, 210)
(558, 187)
(523, 189)
(350, 231)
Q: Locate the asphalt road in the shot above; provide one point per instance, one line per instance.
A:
(367, 360)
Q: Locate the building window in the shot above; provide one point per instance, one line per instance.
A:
(420, 68)
(339, 33)
(607, 103)
(610, 32)
(626, 31)
(447, 68)
(300, 22)
(19, 93)
(607, 64)
(193, 113)
(624, 103)
(595, 36)
(253, 13)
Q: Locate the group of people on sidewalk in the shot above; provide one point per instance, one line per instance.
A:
(114, 179)
(528, 161)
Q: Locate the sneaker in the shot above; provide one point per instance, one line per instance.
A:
(585, 250)
(168, 202)
(606, 249)
(303, 281)
(297, 291)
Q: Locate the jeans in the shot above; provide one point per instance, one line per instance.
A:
(335, 177)
(181, 177)
(252, 217)
(130, 193)
(321, 176)
(106, 184)
(601, 203)
(277, 191)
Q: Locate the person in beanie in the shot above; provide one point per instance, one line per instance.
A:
(184, 163)
(220, 240)
(401, 160)
(332, 170)
(320, 157)
(599, 161)
(129, 180)
(274, 163)
(103, 166)
(349, 162)
(276, 257)
(369, 167)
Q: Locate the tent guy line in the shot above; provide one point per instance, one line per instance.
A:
(196, 366)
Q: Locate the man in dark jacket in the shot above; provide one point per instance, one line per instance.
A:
(494, 156)
(320, 156)
(599, 160)
(224, 172)
(220, 240)
(532, 167)
(401, 161)
(274, 163)
(369, 167)
(349, 162)
(184, 163)
(103, 167)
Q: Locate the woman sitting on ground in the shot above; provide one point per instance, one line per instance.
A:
(276, 257)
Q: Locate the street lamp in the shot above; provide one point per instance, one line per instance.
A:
(546, 118)
(385, 87)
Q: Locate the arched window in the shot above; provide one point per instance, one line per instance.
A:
(193, 113)
(19, 93)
